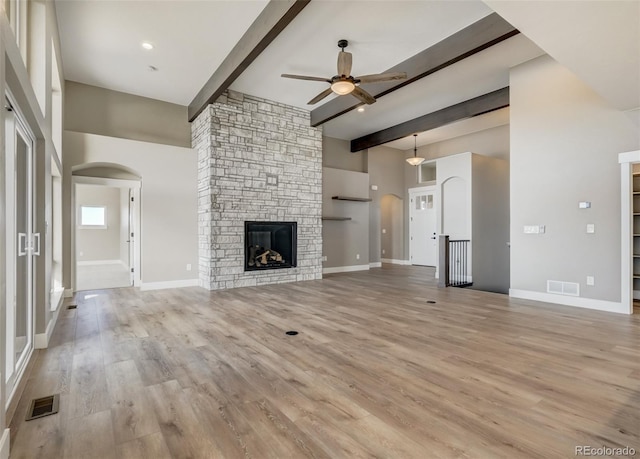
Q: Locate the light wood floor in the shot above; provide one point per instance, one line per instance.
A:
(376, 371)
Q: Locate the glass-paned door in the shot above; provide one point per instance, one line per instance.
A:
(22, 246)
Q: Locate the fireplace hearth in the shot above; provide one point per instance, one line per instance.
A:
(270, 245)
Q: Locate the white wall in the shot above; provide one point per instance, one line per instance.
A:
(453, 175)
(97, 244)
(564, 145)
(168, 199)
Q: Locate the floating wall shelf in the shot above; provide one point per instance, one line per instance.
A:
(349, 198)
(341, 219)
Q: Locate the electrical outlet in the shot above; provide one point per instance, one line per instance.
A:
(81, 253)
(591, 280)
(384, 231)
(357, 256)
(382, 251)
(591, 228)
(324, 258)
(189, 267)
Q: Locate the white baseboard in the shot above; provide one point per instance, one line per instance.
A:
(375, 264)
(68, 293)
(4, 444)
(395, 262)
(345, 269)
(168, 284)
(580, 302)
(56, 299)
(100, 262)
(636, 295)
(42, 339)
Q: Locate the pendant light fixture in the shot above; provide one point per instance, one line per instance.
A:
(415, 160)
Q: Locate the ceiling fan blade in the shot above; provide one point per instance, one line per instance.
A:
(320, 96)
(303, 77)
(363, 95)
(382, 77)
(344, 63)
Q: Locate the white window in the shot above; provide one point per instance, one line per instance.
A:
(93, 217)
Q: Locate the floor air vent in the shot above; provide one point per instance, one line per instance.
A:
(43, 407)
(72, 306)
(563, 288)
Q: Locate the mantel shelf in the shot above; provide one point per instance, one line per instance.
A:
(350, 198)
(340, 219)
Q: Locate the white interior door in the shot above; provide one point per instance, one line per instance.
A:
(22, 246)
(422, 227)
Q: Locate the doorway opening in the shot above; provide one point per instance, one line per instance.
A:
(106, 228)
(392, 229)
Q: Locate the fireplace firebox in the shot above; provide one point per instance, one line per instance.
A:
(270, 245)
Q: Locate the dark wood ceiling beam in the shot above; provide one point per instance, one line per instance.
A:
(272, 20)
(473, 107)
(480, 35)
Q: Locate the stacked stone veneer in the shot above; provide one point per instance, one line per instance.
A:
(258, 160)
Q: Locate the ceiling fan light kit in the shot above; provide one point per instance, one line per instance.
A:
(344, 83)
(343, 87)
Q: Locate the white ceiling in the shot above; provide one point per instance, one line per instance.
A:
(599, 41)
(101, 46)
(101, 43)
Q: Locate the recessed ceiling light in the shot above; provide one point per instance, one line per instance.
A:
(360, 109)
(147, 45)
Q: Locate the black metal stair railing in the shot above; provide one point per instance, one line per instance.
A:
(454, 262)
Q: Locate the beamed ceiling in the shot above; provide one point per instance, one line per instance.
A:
(454, 52)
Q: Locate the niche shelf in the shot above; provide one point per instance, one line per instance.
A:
(350, 198)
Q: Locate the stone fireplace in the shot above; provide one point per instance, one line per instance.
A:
(258, 161)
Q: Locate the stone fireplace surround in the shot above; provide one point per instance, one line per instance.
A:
(258, 160)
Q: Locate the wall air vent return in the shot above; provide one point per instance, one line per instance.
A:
(563, 288)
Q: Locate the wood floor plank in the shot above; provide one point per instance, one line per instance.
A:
(90, 437)
(375, 371)
(151, 446)
(131, 411)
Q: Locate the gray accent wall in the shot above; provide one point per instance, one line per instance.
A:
(258, 160)
(386, 171)
(344, 241)
(117, 114)
(336, 154)
(565, 141)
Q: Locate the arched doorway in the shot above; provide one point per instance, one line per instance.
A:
(105, 241)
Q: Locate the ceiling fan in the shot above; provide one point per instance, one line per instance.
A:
(344, 83)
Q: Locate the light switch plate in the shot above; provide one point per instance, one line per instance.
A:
(591, 280)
